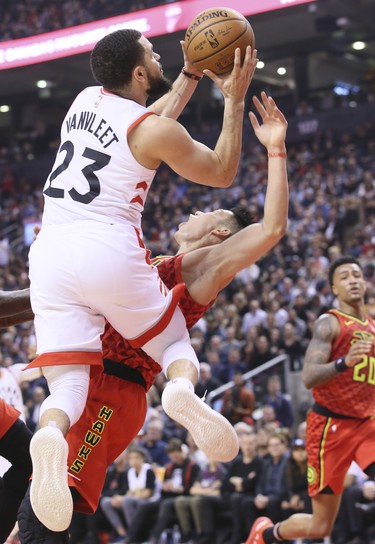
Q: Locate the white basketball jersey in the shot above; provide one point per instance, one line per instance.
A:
(95, 175)
(10, 389)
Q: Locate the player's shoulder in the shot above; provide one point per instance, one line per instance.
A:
(327, 325)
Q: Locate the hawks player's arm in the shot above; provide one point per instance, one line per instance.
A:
(317, 366)
(15, 307)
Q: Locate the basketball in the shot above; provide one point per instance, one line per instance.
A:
(213, 36)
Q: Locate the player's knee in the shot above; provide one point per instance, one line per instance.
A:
(69, 386)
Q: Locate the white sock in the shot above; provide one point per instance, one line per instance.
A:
(182, 381)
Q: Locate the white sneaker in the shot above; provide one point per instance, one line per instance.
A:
(212, 433)
(50, 496)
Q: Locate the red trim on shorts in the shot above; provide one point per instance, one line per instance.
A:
(92, 358)
(141, 244)
(139, 120)
(158, 328)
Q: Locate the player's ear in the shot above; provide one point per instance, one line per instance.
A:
(334, 290)
(139, 73)
(222, 233)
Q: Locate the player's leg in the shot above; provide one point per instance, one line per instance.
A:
(316, 525)
(49, 494)
(211, 432)
(14, 446)
(156, 324)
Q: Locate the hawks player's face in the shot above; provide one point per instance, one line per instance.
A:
(348, 283)
(201, 224)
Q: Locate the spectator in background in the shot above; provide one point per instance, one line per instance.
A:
(262, 352)
(188, 508)
(254, 317)
(152, 442)
(239, 401)
(298, 499)
(140, 485)
(275, 398)
(232, 365)
(38, 396)
(272, 486)
(180, 474)
(206, 382)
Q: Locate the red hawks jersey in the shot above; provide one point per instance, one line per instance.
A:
(116, 348)
(95, 176)
(8, 416)
(351, 393)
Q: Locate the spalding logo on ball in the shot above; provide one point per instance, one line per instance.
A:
(213, 36)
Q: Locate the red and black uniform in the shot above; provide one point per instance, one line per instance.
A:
(14, 446)
(341, 424)
(116, 407)
(8, 416)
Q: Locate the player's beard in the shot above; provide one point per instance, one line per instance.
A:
(158, 85)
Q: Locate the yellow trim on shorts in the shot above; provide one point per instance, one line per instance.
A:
(321, 453)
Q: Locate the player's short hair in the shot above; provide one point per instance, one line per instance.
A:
(240, 219)
(338, 262)
(115, 56)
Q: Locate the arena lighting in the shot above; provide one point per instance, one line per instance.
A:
(4, 108)
(151, 22)
(260, 64)
(281, 71)
(42, 84)
(358, 46)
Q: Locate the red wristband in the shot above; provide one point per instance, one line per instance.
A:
(190, 75)
(281, 154)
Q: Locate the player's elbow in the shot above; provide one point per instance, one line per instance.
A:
(275, 230)
(307, 381)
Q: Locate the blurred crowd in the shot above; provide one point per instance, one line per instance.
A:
(268, 310)
(31, 17)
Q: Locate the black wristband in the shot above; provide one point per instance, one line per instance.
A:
(191, 76)
(340, 365)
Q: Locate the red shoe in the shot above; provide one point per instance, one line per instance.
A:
(256, 533)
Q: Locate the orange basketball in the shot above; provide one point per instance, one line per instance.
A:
(213, 36)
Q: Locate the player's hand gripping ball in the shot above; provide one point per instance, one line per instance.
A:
(213, 36)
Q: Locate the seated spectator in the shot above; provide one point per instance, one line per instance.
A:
(239, 481)
(188, 508)
(272, 486)
(139, 486)
(282, 406)
(88, 527)
(194, 453)
(298, 499)
(239, 401)
(152, 442)
(180, 474)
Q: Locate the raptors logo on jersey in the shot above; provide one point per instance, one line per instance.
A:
(351, 393)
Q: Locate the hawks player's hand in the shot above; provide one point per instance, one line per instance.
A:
(357, 352)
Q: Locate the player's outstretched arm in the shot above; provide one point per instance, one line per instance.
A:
(15, 307)
(174, 102)
(159, 139)
(220, 263)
